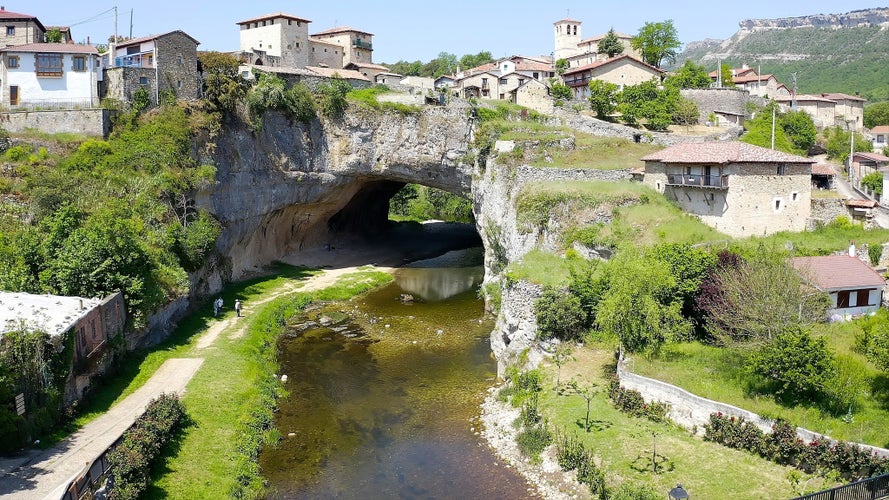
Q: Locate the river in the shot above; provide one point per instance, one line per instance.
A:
(384, 396)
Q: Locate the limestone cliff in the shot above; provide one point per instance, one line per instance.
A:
(856, 18)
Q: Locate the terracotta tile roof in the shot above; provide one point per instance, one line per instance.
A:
(721, 152)
(6, 15)
(613, 60)
(858, 203)
(880, 129)
(806, 98)
(342, 73)
(534, 66)
(136, 41)
(65, 48)
(823, 169)
(840, 97)
(752, 78)
(341, 29)
(273, 16)
(599, 37)
(325, 42)
(875, 157)
(831, 272)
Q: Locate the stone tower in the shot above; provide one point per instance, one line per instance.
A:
(568, 35)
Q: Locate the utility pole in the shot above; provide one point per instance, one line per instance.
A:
(793, 95)
(131, 23)
(773, 127)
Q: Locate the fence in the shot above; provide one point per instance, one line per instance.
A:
(53, 104)
(92, 478)
(866, 489)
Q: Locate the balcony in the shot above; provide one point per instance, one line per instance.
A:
(701, 181)
(362, 45)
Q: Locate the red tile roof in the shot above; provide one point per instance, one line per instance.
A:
(136, 41)
(823, 169)
(752, 78)
(721, 152)
(880, 129)
(599, 37)
(875, 157)
(858, 203)
(840, 97)
(606, 62)
(6, 15)
(341, 29)
(533, 66)
(65, 48)
(805, 97)
(837, 271)
(273, 16)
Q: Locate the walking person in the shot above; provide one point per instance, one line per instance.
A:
(238, 307)
(215, 307)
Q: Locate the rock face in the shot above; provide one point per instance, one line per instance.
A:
(856, 18)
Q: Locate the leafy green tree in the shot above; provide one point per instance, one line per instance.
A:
(587, 391)
(561, 66)
(473, 60)
(796, 365)
(758, 130)
(589, 286)
(874, 182)
(657, 42)
(646, 100)
(690, 76)
(561, 91)
(800, 130)
(725, 73)
(640, 307)
(689, 266)
(610, 44)
(837, 143)
(603, 98)
(559, 315)
(141, 99)
(333, 97)
(686, 112)
(53, 35)
(874, 339)
(223, 85)
(876, 114)
(299, 104)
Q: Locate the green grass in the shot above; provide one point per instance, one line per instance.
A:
(718, 373)
(369, 97)
(205, 463)
(823, 241)
(599, 153)
(542, 267)
(65, 138)
(624, 444)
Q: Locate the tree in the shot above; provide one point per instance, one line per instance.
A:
(471, 61)
(561, 66)
(559, 315)
(560, 357)
(611, 44)
(686, 112)
(223, 85)
(800, 130)
(53, 35)
(738, 294)
(876, 114)
(796, 365)
(725, 74)
(587, 391)
(646, 100)
(603, 98)
(561, 91)
(837, 143)
(874, 182)
(759, 130)
(690, 76)
(333, 97)
(657, 42)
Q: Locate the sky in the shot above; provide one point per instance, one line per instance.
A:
(412, 30)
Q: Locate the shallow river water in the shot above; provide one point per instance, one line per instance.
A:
(384, 399)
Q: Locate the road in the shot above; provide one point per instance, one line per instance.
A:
(46, 473)
(881, 215)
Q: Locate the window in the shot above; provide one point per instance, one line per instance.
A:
(795, 196)
(779, 169)
(178, 84)
(143, 80)
(49, 64)
(78, 63)
(12, 62)
(10, 31)
(842, 299)
(536, 76)
(179, 60)
(779, 204)
(134, 49)
(863, 298)
(503, 81)
(290, 22)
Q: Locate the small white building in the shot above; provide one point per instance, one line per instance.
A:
(49, 76)
(854, 287)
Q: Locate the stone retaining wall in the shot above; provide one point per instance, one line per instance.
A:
(92, 122)
(691, 411)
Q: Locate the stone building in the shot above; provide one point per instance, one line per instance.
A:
(94, 323)
(737, 188)
(568, 33)
(357, 45)
(578, 51)
(159, 63)
(622, 71)
(276, 40)
(20, 29)
(533, 94)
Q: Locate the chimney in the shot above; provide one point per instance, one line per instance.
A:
(744, 66)
(852, 252)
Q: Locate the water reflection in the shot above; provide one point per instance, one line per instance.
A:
(435, 285)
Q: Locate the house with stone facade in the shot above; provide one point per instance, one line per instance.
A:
(737, 188)
(165, 63)
(578, 51)
(849, 109)
(496, 80)
(623, 70)
(533, 94)
(20, 29)
(821, 109)
(854, 287)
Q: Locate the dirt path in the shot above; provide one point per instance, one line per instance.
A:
(44, 474)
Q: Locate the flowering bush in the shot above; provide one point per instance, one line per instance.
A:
(631, 402)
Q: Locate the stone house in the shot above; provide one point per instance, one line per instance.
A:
(422, 83)
(821, 109)
(578, 51)
(849, 109)
(49, 76)
(533, 94)
(867, 163)
(160, 63)
(737, 188)
(357, 45)
(20, 29)
(276, 40)
(386, 78)
(94, 323)
(881, 137)
(370, 70)
(623, 70)
(854, 287)
(480, 85)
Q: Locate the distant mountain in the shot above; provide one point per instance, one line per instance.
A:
(828, 52)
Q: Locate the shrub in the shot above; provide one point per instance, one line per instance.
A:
(570, 451)
(333, 97)
(874, 182)
(796, 365)
(141, 99)
(559, 315)
(19, 153)
(530, 414)
(873, 341)
(299, 104)
(632, 403)
(627, 491)
(874, 252)
(532, 441)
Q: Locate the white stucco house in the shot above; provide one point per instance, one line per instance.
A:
(854, 287)
(49, 75)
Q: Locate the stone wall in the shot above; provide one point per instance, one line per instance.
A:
(92, 122)
(691, 411)
(589, 125)
(177, 63)
(120, 83)
(725, 100)
(825, 211)
(516, 328)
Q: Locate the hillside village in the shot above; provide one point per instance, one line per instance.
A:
(482, 128)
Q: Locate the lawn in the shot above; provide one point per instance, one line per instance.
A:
(718, 373)
(625, 444)
(600, 153)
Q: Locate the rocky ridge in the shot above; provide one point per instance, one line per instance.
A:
(855, 18)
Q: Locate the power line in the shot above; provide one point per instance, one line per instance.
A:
(96, 17)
